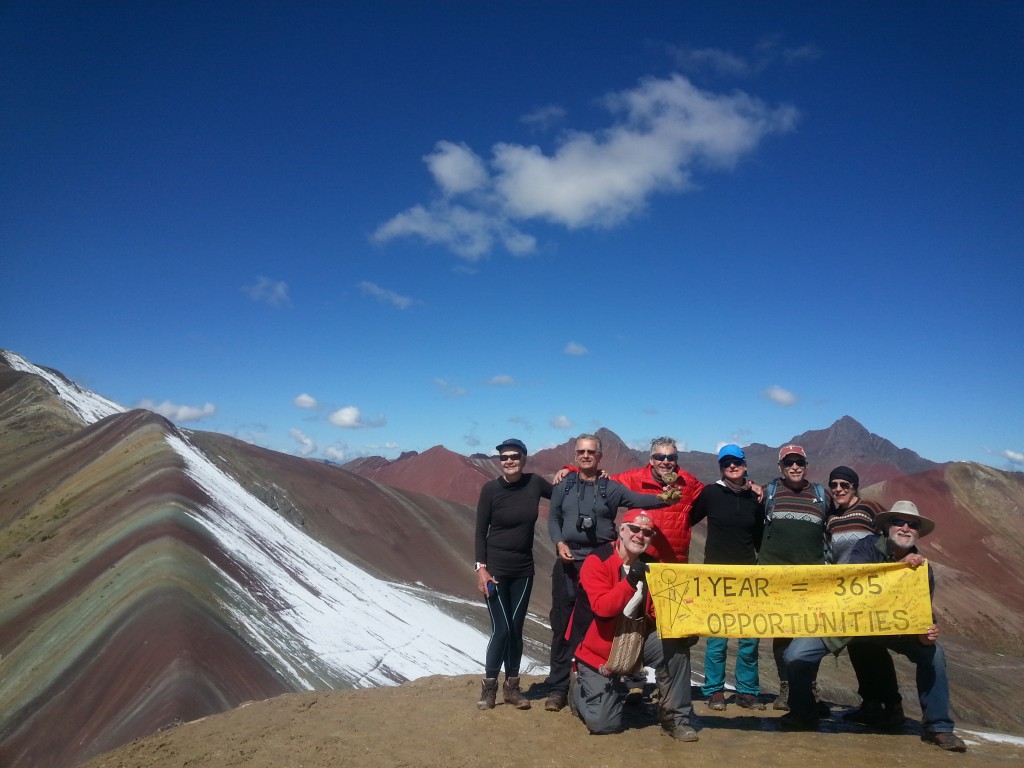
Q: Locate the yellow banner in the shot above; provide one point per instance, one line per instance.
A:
(790, 600)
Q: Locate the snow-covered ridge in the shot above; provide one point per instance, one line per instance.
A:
(316, 618)
(337, 621)
(89, 406)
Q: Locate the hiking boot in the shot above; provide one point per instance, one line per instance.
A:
(782, 700)
(681, 732)
(894, 718)
(791, 721)
(944, 740)
(512, 695)
(824, 710)
(716, 701)
(556, 701)
(868, 713)
(488, 690)
(748, 701)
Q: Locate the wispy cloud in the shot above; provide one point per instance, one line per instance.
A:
(769, 52)
(450, 389)
(544, 118)
(384, 296)
(307, 445)
(271, 292)
(572, 348)
(350, 417)
(501, 380)
(305, 401)
(660, 132)
(779, 395)
(1014, 456)
(178, 413)
(561, 422)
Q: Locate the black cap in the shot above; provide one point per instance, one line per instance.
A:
(845, 473)
(512, 443)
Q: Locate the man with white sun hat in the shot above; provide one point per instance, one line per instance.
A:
(901, 528)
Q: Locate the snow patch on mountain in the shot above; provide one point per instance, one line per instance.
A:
(317, 618)
(88, 406)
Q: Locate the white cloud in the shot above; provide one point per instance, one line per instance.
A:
(337, 453)
(307, 445)
(779, 395)
(661, 131)
(501, 380)
(304, 401)
(468, 233)
(561, 422)
(178, 413)
(456, 168)
(1014, 456)
(449, 389)
(267, 291)
(350, 417)
(572, 348)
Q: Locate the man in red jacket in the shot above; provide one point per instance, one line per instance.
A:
(662, 475)
(612, 584)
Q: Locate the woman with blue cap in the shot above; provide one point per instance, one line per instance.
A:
(735, 518)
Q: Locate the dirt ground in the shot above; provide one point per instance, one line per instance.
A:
(434, 722)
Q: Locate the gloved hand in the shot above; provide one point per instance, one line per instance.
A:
(636, 572)
(671, 494)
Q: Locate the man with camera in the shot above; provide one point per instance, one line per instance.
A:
(581, 518)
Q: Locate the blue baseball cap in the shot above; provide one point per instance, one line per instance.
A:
(512, 443)
(731, 450)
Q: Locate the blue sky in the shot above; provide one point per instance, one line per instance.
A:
(338, 229)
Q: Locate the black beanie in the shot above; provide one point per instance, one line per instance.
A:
(844, 473)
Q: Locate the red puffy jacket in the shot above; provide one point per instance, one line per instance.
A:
(671, 544)
(607, 591)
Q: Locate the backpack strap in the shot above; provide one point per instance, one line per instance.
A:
(769, 507)
(821, 496)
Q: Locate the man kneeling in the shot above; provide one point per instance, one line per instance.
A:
(612, 584)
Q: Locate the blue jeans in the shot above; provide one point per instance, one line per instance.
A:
(746, 665)
(805, 653)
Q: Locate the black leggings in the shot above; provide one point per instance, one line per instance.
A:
(507, 607)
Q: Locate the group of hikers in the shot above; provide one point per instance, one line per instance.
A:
(599, 586)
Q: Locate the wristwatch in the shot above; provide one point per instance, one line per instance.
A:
(478, 566)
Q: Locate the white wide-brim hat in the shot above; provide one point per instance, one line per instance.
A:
(905, 510)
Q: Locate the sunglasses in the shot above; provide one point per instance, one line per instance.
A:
(792, 462)
(647, 532)
(586, 452)
(911, 524)
(664, 456)
(726, 463)
(840, 484)
(511, 456)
